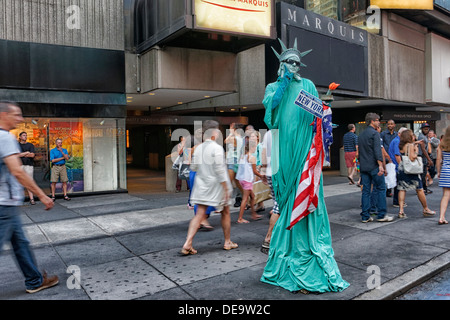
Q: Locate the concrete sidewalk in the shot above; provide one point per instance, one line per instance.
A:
(126, 246)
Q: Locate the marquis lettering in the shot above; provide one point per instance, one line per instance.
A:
(331, 27)
(318, 26)
(305, 20)
(292, 15)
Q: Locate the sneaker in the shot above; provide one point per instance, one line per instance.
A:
(368, 220)
(386, 219)
(46, 283)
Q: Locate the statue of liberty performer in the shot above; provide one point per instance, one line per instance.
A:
(300, 256)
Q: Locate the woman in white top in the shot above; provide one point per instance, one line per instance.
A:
(246, 175)
(212, 186)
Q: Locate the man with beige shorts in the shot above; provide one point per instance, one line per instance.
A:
(58, 157)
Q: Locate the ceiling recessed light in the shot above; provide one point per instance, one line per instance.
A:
(207, 96)
(180, 102)
(151, 94)
(357, 101)
(244, 107)
(158, 108)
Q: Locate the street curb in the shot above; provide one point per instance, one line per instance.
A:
(398, 286)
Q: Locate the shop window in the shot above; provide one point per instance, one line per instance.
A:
(96, 148)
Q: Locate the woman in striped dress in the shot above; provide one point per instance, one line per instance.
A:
(443, 172)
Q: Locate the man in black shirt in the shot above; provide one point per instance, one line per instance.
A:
(27, 156)
(372, 169)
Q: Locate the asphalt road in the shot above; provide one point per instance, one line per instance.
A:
(437, 288)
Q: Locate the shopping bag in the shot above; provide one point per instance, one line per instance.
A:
(391, 178)
(176, 164)
(261, 191)
(184, 171)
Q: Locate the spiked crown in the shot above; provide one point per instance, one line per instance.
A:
(291, 52)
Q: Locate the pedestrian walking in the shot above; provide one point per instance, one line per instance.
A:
(183, 149)
(212, 186)
(234, 145)
(351, 152)
(443, 173)
(266, 171)
(27, 157)
(257, 154)
(396, 157)
(12, 180)
(433, 142)
(205, 223)
(372, 170)
(386, 138)
(246, 175)
(408, 181)
(423, 152)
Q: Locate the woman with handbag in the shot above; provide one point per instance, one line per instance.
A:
(409, 171)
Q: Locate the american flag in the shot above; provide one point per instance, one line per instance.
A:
(306, 199)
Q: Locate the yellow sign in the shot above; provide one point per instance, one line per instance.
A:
(403, 4)
(251, 17)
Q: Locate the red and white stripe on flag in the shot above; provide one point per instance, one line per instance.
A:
(306, 199)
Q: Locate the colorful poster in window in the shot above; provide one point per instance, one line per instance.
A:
(71, 134)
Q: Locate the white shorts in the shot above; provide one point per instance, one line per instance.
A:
(29, 170)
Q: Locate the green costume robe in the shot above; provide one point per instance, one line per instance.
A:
(301, 258)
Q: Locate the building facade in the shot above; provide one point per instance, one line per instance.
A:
(116, 79)
(64, 63)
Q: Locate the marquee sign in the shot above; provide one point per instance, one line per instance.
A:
(243, 17)
(403, 4)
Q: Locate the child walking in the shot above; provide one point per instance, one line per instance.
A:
(246, 174)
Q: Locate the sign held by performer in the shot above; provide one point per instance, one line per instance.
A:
(310, 103)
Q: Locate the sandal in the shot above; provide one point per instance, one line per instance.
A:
(190, 251)
(53, 199)
(66, 198)
(401, 215)
(32, 202)
(428, 213)
(232, 245)
(265, 247)
(443, 222)
(207, 227)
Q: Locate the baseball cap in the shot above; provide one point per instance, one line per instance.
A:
(424, 125)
